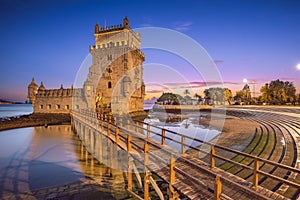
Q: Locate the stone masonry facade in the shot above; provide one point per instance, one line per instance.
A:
(114, 82)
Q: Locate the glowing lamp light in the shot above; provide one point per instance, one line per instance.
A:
(298, 66)
(245, 80)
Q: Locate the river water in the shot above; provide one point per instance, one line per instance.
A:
(10, 110)
(39, 157)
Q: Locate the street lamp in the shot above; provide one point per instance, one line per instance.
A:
(254, 82)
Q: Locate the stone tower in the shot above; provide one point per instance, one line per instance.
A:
(115, 80)
(32, 91)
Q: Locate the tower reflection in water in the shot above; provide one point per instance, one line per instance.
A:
(41, 157)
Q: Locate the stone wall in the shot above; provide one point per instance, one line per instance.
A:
(53, 101)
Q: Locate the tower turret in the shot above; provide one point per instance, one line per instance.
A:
(32, 91)
(126, 23)
(97, 28)
(42, 87)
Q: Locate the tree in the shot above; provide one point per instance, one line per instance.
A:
(198, 97)
(243, 95)
(218, 95)
(170, 99)
(187, 98)
(278, 92)
(228, 95)
(298, 98)
(186, 92)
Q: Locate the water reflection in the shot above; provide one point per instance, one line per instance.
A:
(39, 157)
(187, 124)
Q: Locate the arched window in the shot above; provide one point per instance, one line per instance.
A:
(57, 106)
(41, 106)
(67, 107)
(109, 84)
(49, 106)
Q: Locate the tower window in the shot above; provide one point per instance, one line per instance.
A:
(49, 106)
(109, 84)
(67, 107)
(41, 106)
(57, 106)
(109, 57)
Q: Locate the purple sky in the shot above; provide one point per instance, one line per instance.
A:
(253, 39)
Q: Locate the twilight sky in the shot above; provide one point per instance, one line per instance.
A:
(253, 39)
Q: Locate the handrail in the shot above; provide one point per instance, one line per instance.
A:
(213, 155)
(231, 150)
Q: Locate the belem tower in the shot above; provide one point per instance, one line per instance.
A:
(114, 83)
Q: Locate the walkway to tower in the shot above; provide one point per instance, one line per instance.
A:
(185, 173)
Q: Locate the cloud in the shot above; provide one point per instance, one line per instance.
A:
(287, 79)
(154, 91)
(183, 25)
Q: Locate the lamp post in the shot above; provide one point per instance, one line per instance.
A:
(254, 82)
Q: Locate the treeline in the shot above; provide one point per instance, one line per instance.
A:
(274, 93)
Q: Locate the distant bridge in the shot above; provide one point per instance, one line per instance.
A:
(256, 173)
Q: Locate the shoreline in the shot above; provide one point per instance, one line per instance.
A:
(34, 119)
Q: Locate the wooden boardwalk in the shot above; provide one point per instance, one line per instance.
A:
(186, 175)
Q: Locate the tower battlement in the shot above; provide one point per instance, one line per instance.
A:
(116, 36)
(55, 93)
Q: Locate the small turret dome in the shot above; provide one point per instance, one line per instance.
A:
(97, 28)
(126, 23)
(33, 84)
(42, 87)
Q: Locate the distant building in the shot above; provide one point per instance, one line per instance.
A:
(114, 82)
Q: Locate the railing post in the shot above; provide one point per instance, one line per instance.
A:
(255, 174)
(147, 174)
(212, 158)
(128, 143)
(148, 131)
(171, 191)
(182, 144)
(218, 188)
(130, 163)
(163, 136)
(146, 156)
(146, 185)
(172, 170)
